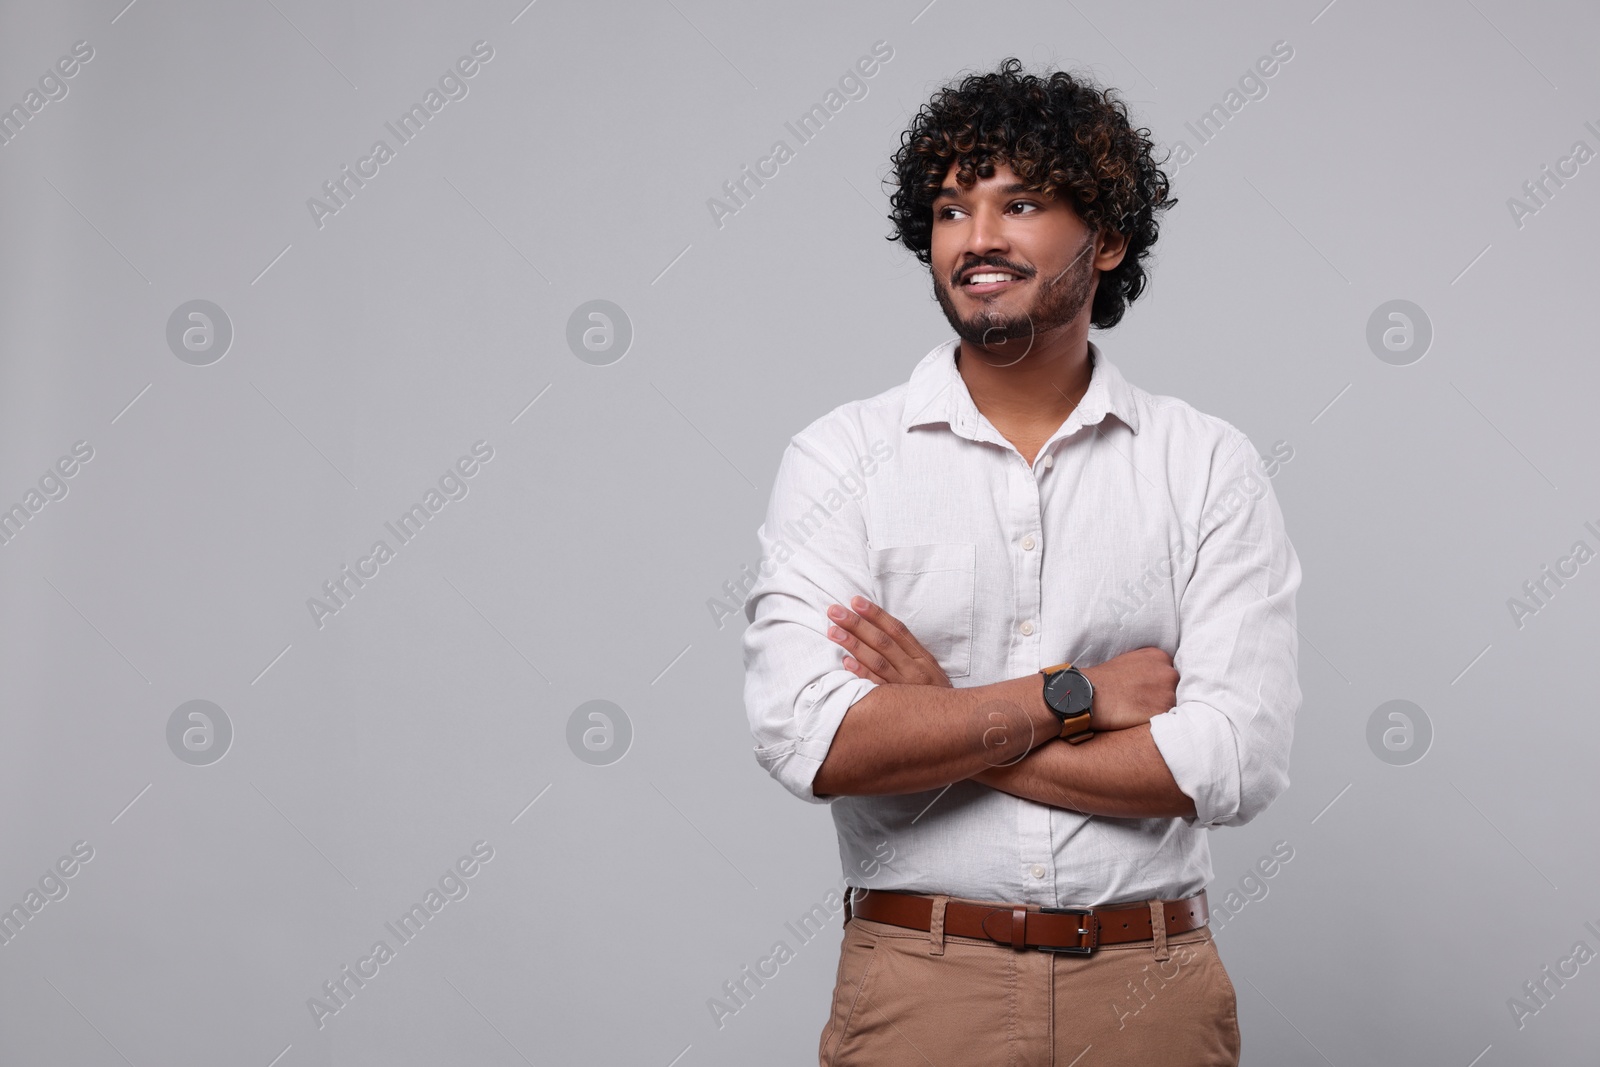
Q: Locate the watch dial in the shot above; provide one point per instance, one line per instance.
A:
(1070, 694)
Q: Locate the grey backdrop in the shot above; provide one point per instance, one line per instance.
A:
(372, 347)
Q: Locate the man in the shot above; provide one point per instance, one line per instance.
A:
(1018, 506)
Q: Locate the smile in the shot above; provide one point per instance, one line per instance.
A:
(985, 281)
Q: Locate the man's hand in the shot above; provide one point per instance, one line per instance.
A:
(1119, 772)
(884, 650)
(915, 731)
(1131, 689)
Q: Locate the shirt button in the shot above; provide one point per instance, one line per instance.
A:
(1048, 461)
(1038, 871)
(1026, 628)
(1028, 543)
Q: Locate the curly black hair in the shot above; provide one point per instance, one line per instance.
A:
(1063, 136)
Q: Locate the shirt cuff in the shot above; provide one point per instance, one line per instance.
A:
(794, 762)
(1197, 743)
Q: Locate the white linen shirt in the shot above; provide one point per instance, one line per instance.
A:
(1140, 522)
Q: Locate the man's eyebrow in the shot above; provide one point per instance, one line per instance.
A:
(950, 192)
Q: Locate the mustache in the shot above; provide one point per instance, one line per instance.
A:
(992, 261)
(1019, 270)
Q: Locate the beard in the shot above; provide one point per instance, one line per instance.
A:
(1059, 300)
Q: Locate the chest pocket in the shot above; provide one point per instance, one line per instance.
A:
(931, 588)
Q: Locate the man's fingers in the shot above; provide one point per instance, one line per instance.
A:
(866, 652)
(854, 666)
(897, 632)
(879, 617)
(884, 644)
(872, 639)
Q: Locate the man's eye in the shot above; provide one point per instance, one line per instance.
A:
(1026, 204)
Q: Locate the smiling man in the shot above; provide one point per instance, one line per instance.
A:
(1047, 645)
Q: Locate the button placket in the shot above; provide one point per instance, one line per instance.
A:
(1034, 855)
(1028, 565)
(1022, 519)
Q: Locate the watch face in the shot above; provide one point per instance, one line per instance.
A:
(1069, 693)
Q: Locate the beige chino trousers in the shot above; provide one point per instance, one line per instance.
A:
(912, 998)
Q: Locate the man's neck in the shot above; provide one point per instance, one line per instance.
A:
(1032, 396)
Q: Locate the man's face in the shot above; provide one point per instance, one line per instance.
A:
(1009, 263)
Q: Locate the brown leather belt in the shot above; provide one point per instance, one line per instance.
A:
(1074, 930)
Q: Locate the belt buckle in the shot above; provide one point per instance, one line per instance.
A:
(1092, 930)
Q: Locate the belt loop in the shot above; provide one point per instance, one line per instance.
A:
(936, 926)
(849, 895)
(1158, 928)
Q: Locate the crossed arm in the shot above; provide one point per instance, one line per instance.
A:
(914, 731)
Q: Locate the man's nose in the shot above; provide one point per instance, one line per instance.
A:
(986, 235)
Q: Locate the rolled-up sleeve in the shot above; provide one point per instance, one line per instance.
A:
(813, 553)
(1227, 740)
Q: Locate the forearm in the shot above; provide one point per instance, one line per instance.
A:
(1119, 774)
(909, 738)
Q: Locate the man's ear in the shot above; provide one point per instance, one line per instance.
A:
(1112, 247)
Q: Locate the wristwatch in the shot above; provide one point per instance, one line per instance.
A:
(1071, 696)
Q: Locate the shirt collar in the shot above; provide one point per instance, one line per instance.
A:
(938, 394)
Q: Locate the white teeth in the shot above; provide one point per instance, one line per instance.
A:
(985, 279)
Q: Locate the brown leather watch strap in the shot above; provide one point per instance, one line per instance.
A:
(1076, 930)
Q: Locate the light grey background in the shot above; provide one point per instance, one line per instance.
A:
(369, 354)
